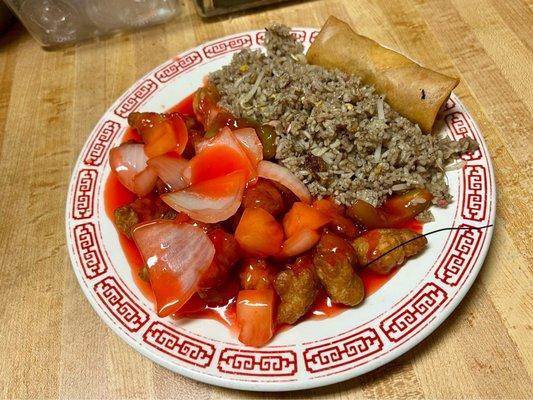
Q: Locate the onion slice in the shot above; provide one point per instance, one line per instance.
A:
(173, 171)
(280, 174)
(210, 201)
(144, 182)
(128, 160)
(299, 243)
(226, 138)
(177, 255)
(251, 144)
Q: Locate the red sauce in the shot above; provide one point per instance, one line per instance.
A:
(116, 195)
(184, 107)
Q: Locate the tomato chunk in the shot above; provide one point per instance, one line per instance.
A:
(176, 255)
(409, 204)
(395, 211)
(258, 233)
(162, 133)
(255, 316)
(302, 216)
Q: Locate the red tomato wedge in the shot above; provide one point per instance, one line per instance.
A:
(174, 171)
(395, 210)
(299, 243)
(280, 174)
(258, 233)
(251, 144)
(302, 216)
(177, 255)
(210, 201)
(219, 156)
(128, 160)
(162, 133)
(255, 316)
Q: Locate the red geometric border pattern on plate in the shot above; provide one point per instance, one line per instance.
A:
(349, 349)
(88, 250)
(257, 363)
(95, 154)
(120, 304)
(298, 34)
(475, 180)
(260, 37)
(313, 36)
(449, 104)
(179, 345)
(134, 100)
(414, 312)
(83, 202)
(460, 128)
(178, 66)
(228, 45)
(465, 245)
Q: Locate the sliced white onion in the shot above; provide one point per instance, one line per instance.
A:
(182, 250)
(251, 143)
(144, 182)
(173, 171)
(199, 204)
(280, 174)
(300, 242)
(127, 160)
(225, 137)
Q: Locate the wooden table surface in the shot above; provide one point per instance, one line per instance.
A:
(53, 345)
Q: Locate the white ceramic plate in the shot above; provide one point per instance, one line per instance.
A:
(313, 353)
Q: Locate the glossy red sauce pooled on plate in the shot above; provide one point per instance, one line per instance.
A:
(116, 195)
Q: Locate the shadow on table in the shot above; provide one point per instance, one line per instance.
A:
(12, 36)
(255, 10)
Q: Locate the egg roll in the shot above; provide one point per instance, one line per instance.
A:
(415, 92)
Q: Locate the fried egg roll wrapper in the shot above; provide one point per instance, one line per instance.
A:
(414, 91)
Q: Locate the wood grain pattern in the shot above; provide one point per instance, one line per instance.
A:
(54, 346)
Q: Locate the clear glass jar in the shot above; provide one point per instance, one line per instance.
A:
(58, 22)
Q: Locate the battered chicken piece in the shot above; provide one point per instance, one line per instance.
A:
(376, 242)
(297, 287)
(334, 260)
